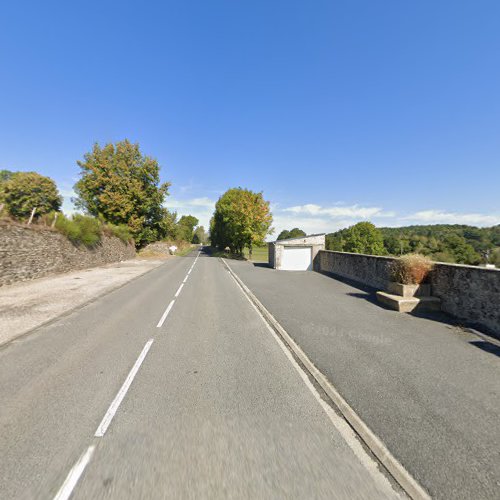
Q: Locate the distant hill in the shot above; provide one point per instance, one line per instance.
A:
(441, 242)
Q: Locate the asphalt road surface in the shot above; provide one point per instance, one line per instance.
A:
(171, 387)
(429, 390)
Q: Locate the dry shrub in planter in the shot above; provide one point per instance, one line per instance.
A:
(411, 269)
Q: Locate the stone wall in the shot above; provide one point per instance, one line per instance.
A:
(32, 252)
(470, 293)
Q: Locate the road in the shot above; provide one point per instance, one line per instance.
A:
(136, 396)
(429, 390)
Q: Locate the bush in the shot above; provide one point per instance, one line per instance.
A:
(411, 269)
(120, 231)
(80, 229)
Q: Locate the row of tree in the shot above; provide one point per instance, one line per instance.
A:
(118, 185)
(441, 242)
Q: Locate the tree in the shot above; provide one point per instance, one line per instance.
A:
(241, 219)
(5, 175)
(284, 235)
(364, 237)
(200, 236)
(293, 233)
(122, 186)
(185, 227)
(24, 191)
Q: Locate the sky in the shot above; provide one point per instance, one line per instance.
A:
(339, 111)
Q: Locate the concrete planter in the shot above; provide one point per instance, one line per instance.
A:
(422, 290)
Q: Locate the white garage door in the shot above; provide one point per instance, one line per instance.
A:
(297, 259)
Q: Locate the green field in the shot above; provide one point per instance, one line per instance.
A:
(260, 254)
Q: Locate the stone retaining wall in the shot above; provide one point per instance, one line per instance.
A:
(32, 252)
(469, 293)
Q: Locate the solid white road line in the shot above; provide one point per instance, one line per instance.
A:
(179, 290)
(165, 314)
(103, 426)
(74, 475)
(185, 279)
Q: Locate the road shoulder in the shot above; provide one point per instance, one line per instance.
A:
(30, 304)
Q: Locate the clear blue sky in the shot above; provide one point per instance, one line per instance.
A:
(338, 110)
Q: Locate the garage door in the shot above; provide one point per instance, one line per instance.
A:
(297, 259)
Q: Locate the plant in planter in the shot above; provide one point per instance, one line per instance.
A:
(409, 274)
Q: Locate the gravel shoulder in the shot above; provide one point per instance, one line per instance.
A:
(27, 305)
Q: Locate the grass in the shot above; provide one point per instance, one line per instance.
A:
(259, 254)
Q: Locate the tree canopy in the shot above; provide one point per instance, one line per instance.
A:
(185, 227)
(122, 186)
(24, 191)
(241, 219)
(293, 233)
(200, 236)
(363, 237)
(441, 242)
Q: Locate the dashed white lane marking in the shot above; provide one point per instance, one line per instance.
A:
(108, 417)
(165, 314)
(169, 307)
(74, 475)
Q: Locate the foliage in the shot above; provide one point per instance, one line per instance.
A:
(120, 231)
(444, 242)
(23, 191)
(411, 269)
(440, 242)
(122, 186)
(185, 227)
(241, 219)
(363, 237)
(80, 229)
(200, 236)
(5, 175)
(88, 231)
(293, 233)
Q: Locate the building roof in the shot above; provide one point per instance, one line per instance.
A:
(298, 238)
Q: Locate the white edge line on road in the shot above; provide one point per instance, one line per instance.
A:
(189, 272)
(179, 290)
(352, 420)
(185, 279)
(165, 314)
(74, 475)
(108, 417)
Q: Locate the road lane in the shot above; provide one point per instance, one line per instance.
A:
(219, 411)
(57, 383)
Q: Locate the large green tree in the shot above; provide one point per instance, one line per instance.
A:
(122, 186)
(363, 237)
(200, 236)
(241, 219)
(185, 227)
(24, 191)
